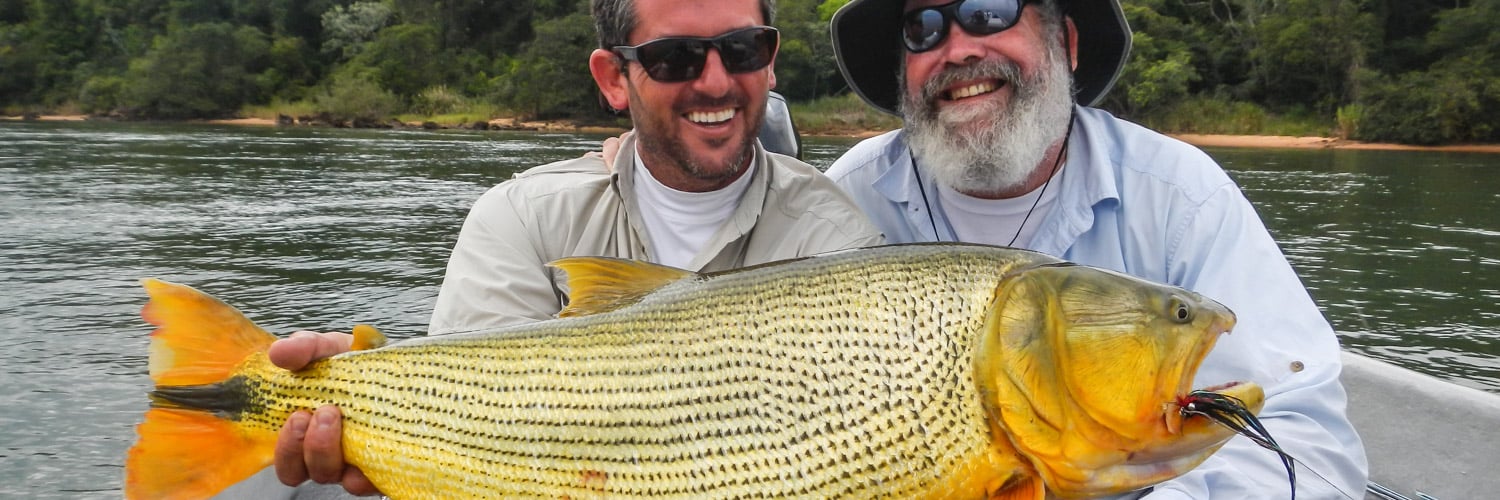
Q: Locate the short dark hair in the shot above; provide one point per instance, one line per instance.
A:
(615, 19)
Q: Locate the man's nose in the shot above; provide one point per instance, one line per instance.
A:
(962, 47)
(715, 79)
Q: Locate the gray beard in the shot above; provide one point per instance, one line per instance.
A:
(989, 149)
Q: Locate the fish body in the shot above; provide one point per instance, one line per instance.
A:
(912, 371)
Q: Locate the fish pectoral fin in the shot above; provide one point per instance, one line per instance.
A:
(367, 337)
(603, 284)
(1031, 488)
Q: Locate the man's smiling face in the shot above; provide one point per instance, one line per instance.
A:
(982, 111)
(697, 135)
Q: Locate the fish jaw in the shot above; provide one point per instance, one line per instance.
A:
(1086, 370)
(1190, 433)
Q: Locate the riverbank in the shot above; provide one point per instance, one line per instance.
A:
(1200, 140)
(1280, 141)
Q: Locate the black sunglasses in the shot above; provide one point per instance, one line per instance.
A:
(924, 29)
(681, 59)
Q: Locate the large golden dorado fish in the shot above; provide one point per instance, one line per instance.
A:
(913, 371)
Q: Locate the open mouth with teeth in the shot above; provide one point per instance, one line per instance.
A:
(710, 117)
(973, 89)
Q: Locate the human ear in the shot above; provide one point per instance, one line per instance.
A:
(1072, 40)
(610, 76)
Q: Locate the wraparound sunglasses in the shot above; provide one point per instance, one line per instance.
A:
(681, 59)
(926, 28)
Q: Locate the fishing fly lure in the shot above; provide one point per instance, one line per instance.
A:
(1230, 412)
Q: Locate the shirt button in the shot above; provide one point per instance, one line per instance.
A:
(1296, 366)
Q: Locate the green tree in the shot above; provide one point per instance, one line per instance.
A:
(201, 71)
(290, 68)
(551, 77)
(1160, 68)
(1309, 51)
(38, 57)
(1453, 99)
(488, 26)
(405, 59)
(347, 29)
(805, 66)
(351, 98)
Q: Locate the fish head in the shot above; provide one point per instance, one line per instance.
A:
(1084, 372)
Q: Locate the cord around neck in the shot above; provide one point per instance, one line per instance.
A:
(1062, 154)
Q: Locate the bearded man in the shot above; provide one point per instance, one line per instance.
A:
(999, 146)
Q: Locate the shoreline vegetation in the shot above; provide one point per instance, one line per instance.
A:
(1421, 72)
(1200, 140)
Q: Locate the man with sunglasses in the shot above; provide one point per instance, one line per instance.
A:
(692, 188)
(999, 146)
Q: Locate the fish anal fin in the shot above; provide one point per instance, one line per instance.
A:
(367, 337)
(603, 284)
(199, 339)
(192, 454)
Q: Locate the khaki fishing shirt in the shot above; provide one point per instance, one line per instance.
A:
(498, 274)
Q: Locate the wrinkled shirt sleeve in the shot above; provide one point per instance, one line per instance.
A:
(496, 275)
(1177, 218)
(1282, 342)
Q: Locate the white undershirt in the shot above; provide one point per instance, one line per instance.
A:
(680, 223)
(995, 222)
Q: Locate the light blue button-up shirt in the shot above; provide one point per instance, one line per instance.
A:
(1136, 201)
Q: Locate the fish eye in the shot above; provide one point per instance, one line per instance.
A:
(1179, 310)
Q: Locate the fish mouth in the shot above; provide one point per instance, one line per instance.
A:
(1192, 430)
(1190, 440)
(1188, 437)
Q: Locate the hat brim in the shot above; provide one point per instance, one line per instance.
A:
(867, 45)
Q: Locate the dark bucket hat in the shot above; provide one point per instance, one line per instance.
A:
(866, 41)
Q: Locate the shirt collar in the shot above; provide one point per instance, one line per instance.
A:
(913, 193)
(740, 222)
(1093, 181)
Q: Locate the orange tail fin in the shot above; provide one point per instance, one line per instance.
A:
(191, 454)
(186, 451)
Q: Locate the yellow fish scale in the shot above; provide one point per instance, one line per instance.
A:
(825, 378)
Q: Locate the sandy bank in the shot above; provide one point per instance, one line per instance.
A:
(1281, 141)
(494, 124)
(1200, 140)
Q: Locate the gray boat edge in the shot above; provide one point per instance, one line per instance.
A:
(1425, 437)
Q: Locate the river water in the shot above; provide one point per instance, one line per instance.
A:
(325, 228)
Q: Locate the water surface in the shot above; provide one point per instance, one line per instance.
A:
(325, 228)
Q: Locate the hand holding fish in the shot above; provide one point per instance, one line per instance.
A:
(309, 445)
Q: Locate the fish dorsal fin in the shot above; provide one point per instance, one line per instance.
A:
(367, 337)
(603, 284)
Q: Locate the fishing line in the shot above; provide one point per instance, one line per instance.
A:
(1230, 412)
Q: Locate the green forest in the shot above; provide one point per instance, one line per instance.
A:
(1412, 71)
